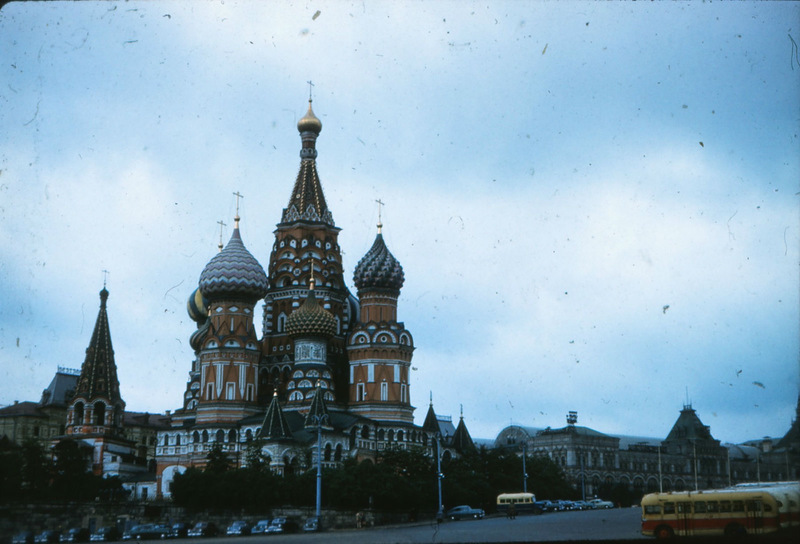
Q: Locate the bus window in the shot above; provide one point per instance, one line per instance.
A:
(724, 506)
(753, 506)
(652, 509)
(684, 508)
(713, 507)
(738, 506)
(669, 507)
(700, 507)
(767, 507)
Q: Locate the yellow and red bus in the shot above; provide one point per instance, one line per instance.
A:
(734, 511)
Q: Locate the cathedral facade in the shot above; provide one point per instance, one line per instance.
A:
(323, 362)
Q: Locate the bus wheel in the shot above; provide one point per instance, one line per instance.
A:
(735, 530)
(664, 532)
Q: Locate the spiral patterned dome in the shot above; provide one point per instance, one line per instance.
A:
(311, 319)
(233, 273)
(378, 269)
(197, 306)
(309, 122)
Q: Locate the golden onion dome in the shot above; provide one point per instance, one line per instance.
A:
(311, 319)
(309, 122)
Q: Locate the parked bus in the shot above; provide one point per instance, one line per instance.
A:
(730, 512)
(523, 503)
(788, 495)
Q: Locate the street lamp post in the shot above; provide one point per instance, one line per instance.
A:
(524, 471)
(319, 420)
(439, 477)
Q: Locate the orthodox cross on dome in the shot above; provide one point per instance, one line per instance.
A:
(310, 86)
(311, 282)
(221, 226)
(105, 277)
(380, 204)
(236, 217)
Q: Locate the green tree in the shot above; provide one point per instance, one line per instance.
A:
(217, 460)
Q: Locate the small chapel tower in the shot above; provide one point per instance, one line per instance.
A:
(380, 348)
(228, 355)
(97, 406)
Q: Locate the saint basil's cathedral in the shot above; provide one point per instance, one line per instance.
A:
(324, 357)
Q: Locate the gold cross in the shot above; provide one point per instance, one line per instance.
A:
(238, 196)
(105, 277)
(380, 225)
(309, 89)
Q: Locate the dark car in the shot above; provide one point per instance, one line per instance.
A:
(465, 512)
(203, 528)
(312, 525)
(179, 530)
(25, 537)
(76, 534)
(238, 528)
(283, 525)
(47, 537)
(260, 528)
(106, 534)
(146, 532)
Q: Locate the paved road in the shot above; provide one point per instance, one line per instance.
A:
(607, 525)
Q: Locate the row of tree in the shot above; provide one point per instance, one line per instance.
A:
(401, 480)
(30, 473)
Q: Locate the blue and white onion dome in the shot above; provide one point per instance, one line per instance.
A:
(378, 269)
(233, 273)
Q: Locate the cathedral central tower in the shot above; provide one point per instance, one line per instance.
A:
(306, 245)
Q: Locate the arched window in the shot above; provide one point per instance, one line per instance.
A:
(177, 440)
(400, 436)
(380, 434)
(220, 436)
(296, 395)
(391, 436)
(281, 322)
(195, 437)
(365, 432)
(205, 437)
(327, 456)
(77, 418)
(166, 440)
(99, 413)
(337, 456)
(232, 435)
(248, 436)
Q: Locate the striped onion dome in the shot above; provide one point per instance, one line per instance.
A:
(233, 273)
(378, 269)
(197, 306)
(311, 319)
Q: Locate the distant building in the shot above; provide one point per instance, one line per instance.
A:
(688, 458)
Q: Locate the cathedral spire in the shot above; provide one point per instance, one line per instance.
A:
(98, 379)
(307, 202)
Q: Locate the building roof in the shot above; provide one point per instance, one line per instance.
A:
(98, 379)
(275, 426)
(24, 408)
(311, 319)
(146, 419)
(61, 389)
(689, 427)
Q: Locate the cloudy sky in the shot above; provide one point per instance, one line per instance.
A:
(596, 205)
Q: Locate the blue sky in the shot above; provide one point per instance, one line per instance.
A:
(595, 204)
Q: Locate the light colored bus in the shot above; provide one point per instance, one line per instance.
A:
(730, 512)
(523, 502)
(788, 495)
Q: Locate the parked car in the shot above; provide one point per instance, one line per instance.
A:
(76, 534)
(239, 528)
(25, 537)
(47, 537)
(581, 505)
(283, 525)
(146, 532)
(179, 530)
(600, 503)
(260, 528)
(465, 512)
(203, 528)
(312, 525)
(546, 506)
(106, 534)
(565, 504)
